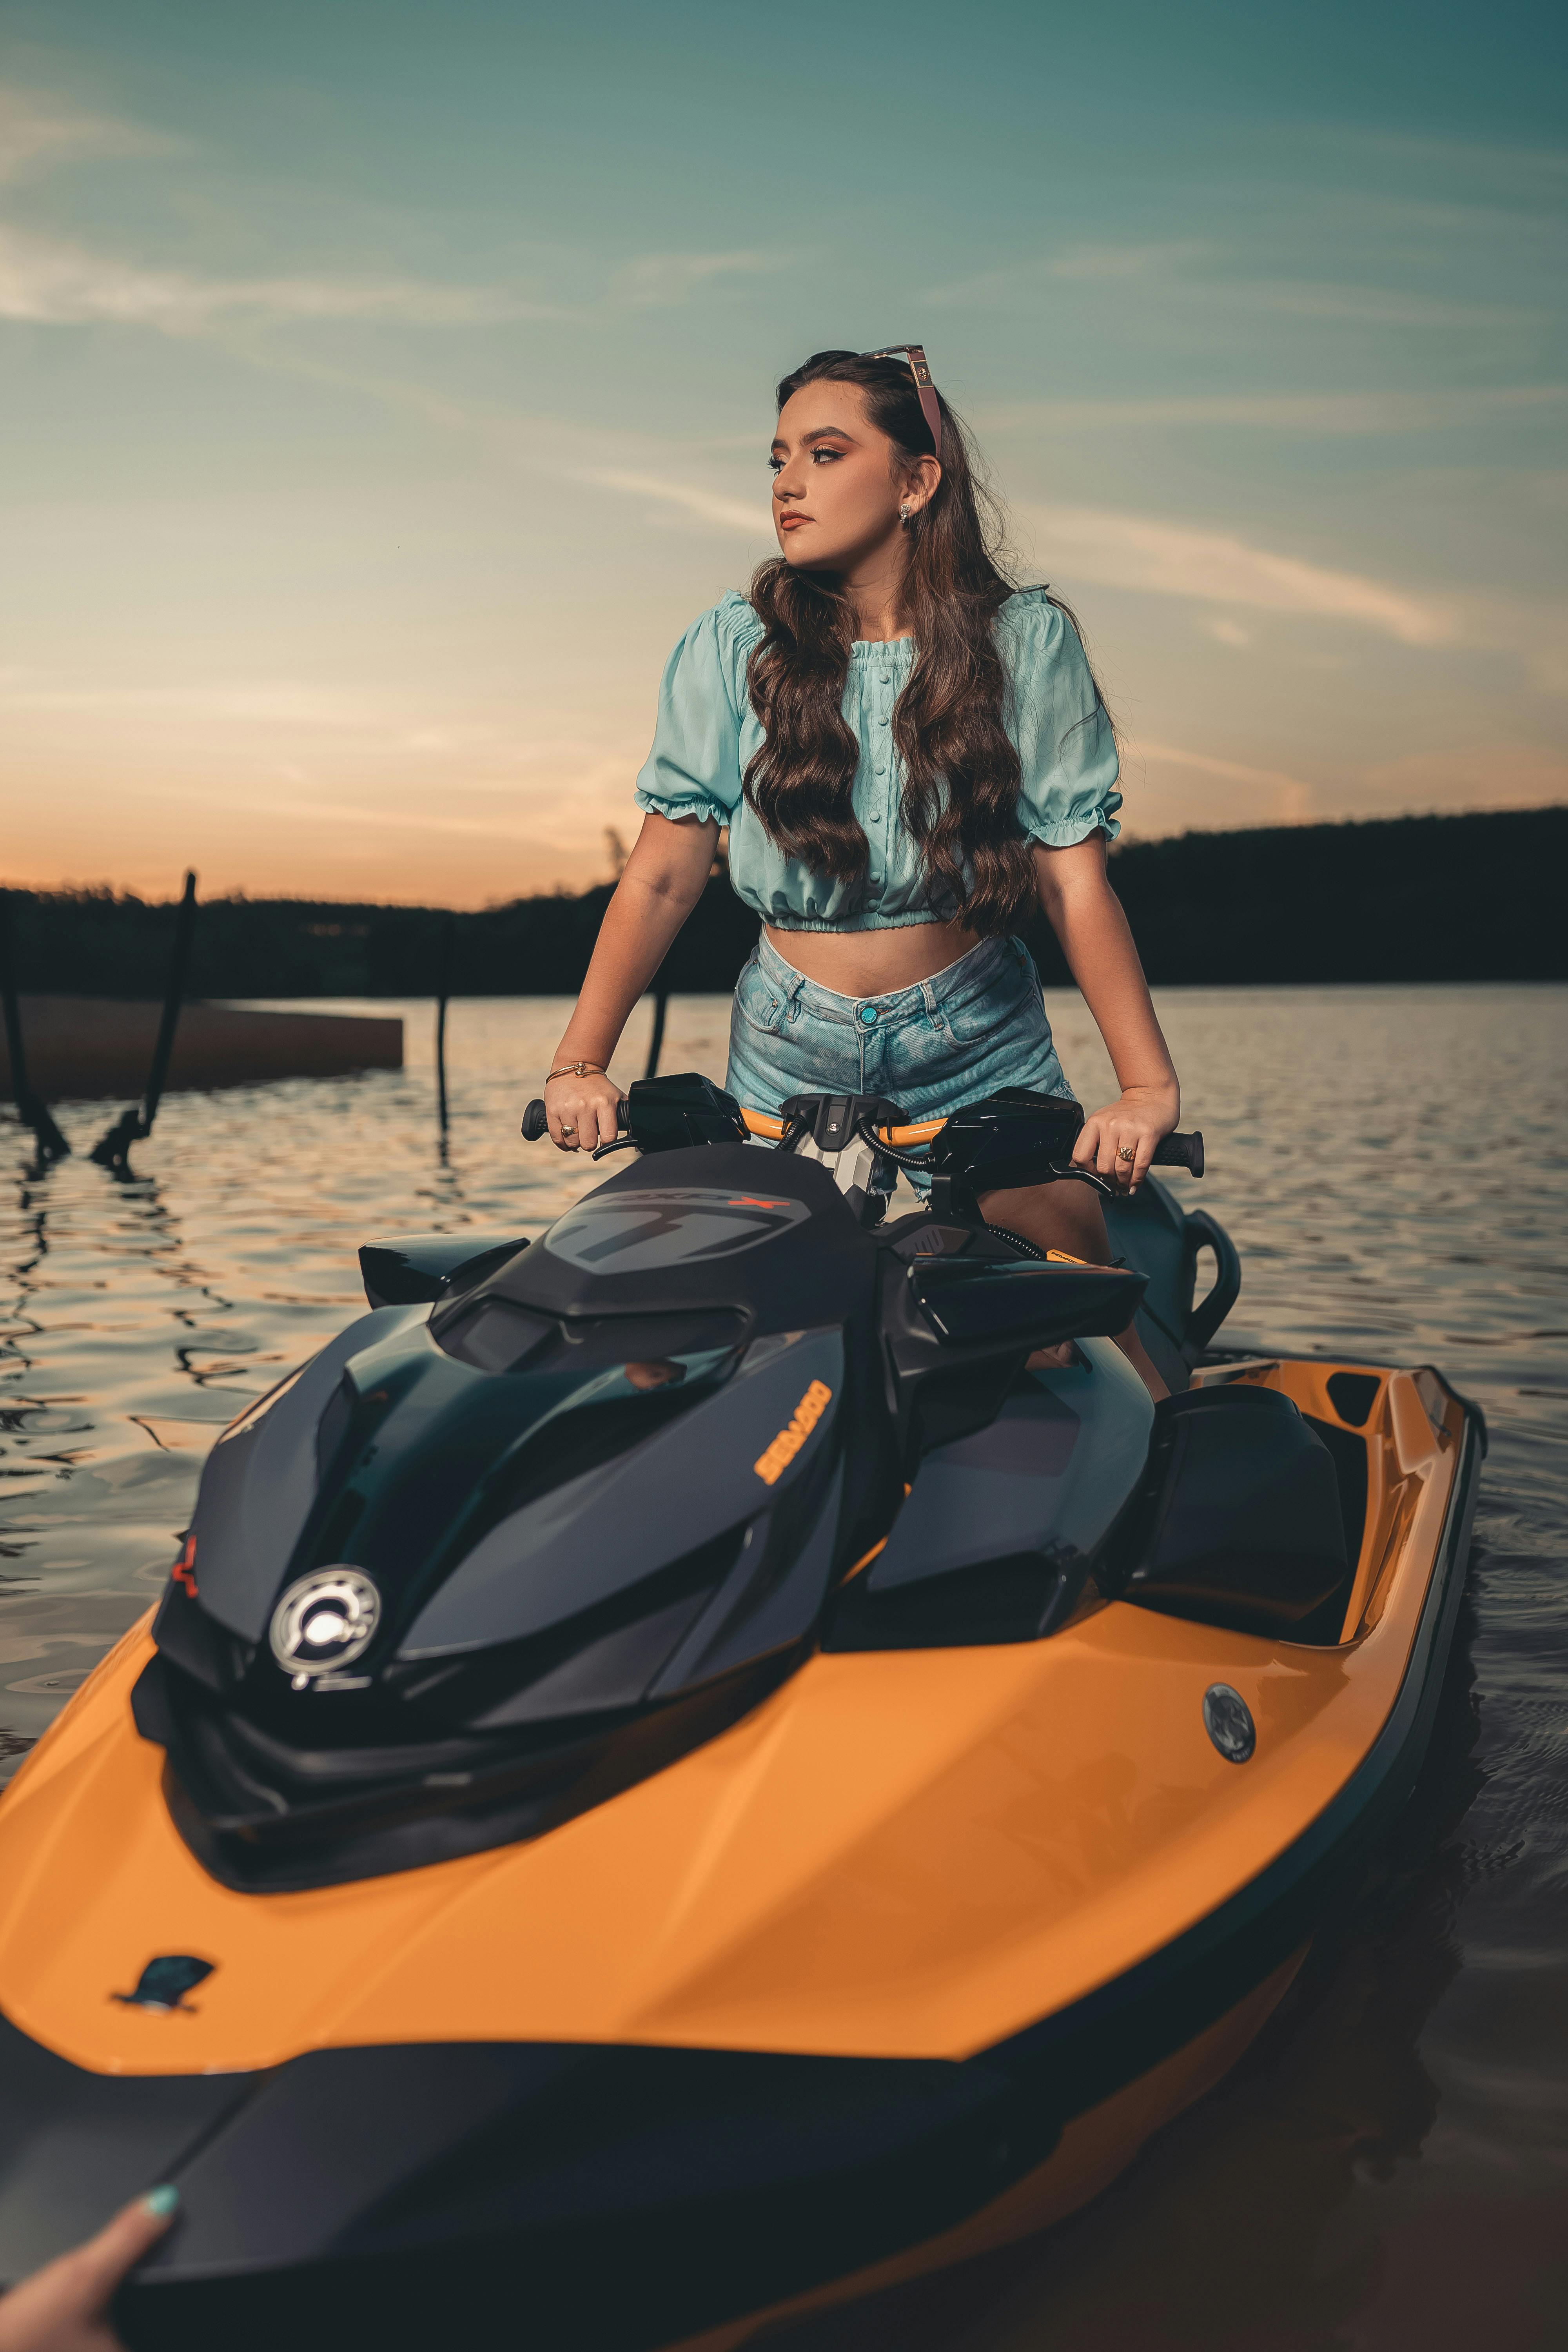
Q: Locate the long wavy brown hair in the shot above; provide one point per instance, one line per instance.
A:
(961, 774)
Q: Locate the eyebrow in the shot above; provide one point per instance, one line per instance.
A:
(821, 433)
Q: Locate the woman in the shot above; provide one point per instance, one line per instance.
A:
(908, 754)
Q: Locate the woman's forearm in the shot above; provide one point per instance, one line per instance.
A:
(1087, 916)
(632, 941)
(664, 878)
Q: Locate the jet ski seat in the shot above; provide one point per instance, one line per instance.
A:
(1240, 1521)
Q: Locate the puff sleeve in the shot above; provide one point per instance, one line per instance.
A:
(1061, 728)
(694, 767)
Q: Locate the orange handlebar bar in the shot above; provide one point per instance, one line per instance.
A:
(758, 1122)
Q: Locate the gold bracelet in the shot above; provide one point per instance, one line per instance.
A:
(578, 1070)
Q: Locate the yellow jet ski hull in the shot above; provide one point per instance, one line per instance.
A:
(1021, 1884)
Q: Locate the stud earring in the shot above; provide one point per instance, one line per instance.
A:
(905, 512)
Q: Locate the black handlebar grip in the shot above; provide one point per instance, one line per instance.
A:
(535, 1124)
(1177, 1150)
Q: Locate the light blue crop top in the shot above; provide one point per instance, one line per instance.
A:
(707, 732)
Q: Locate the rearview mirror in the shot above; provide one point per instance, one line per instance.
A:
(669, 1114)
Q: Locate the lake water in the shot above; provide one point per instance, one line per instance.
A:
(1389, 2167)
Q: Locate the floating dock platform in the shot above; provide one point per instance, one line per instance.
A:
(80, 1046)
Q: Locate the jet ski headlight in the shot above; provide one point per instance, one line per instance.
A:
(324, 1621)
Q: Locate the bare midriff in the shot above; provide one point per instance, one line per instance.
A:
(873, 963)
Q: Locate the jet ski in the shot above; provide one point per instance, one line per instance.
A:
(702, 1764)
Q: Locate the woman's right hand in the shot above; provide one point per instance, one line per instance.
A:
(64, 2308)
(582, 1112)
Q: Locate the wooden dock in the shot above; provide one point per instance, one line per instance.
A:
(77, 1047)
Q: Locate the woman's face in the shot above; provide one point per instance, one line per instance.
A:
(837, 485)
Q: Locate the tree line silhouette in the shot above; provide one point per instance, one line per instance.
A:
(1471, 897)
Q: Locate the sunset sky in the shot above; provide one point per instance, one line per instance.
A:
(387, 386)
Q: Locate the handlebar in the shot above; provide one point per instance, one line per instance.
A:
(1172, 1150)
(1179, 1151)
(536, 1125)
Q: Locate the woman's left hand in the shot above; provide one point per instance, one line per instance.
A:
(1119, 1141)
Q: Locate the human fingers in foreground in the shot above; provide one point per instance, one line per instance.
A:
(64, 2308)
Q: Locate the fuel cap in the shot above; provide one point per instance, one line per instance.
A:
(1227, 1720)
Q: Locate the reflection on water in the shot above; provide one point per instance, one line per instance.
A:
(1388, 2167)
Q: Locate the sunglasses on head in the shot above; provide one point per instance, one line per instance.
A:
(914, 358)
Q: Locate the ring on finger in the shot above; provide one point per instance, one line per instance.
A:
(567, 1127)
(1127, 1152)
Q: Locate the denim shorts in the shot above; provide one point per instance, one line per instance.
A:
(947, 1041)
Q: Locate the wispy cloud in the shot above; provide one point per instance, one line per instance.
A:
(1177, 264)
(1079, 264)
(708, 506)
(37, 131)
(1449, 158)
(638, 465)
(582, 787)
(375, 811)
(657, 280)
(268, 702)
(48, 281)
(1474, 775)
(1169, 787)
(1166, 558)
(1290, 799)
(632, 465)
(1373, 306)
(59, 285)
(1329, 413)
(1107, 264)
